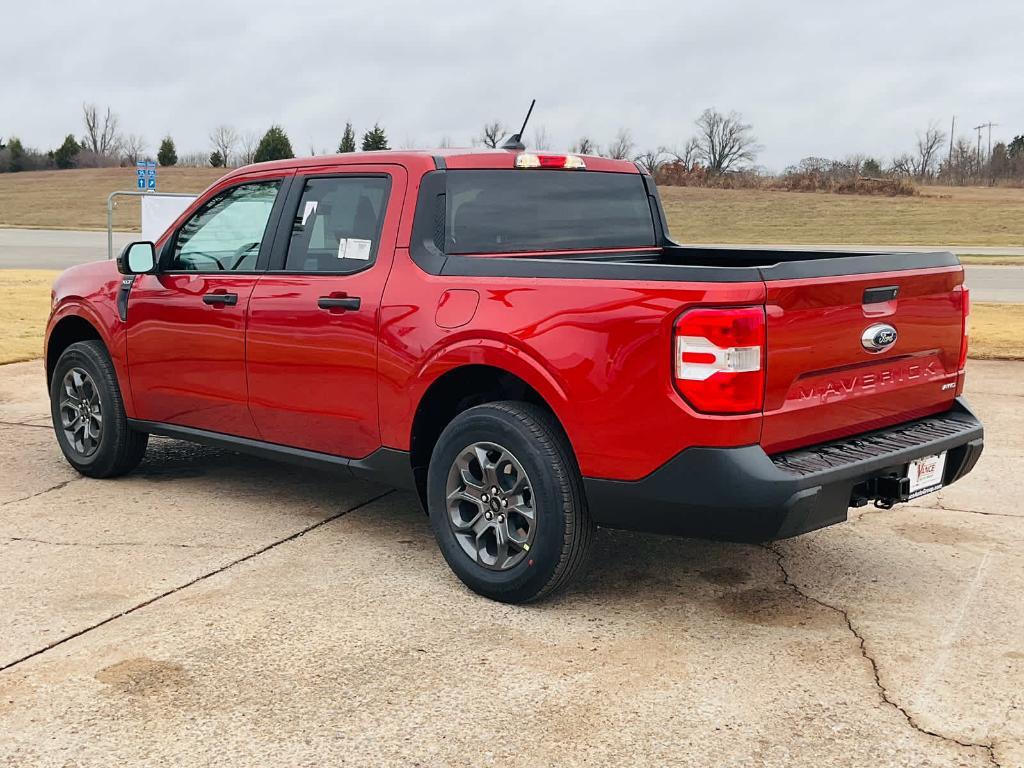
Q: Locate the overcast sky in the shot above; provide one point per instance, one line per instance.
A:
(822, 77)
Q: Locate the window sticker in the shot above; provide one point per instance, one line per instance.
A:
(308, 211)
(358, 249)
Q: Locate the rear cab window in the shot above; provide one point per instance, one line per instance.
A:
(516, 211)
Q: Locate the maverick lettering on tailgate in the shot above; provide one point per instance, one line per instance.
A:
(842, 386)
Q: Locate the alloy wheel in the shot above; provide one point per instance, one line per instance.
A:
(81, 415)
(491, 506)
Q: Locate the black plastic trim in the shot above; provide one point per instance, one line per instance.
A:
(439, 163)
(742, 494)
(880, 294)
(122, 296)
(387, 466)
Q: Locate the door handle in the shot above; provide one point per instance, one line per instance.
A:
(338, 302)
(221, 299)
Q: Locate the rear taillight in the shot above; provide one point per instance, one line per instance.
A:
(966, 304)
(719, 357)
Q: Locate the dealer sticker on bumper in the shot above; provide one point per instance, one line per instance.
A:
(926, 474)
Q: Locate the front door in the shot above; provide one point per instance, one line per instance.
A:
(186, 324)
(312, 340)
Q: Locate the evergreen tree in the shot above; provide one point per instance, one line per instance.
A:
(273, 146)
(375, 139)
(64, 155)
(348, 139)
(16, 155)
(216, 159)
(167, 155)
(1015, 150)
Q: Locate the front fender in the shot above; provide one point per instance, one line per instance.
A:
(77, 293)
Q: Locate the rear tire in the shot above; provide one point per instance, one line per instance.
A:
(506, 502)
(88, 413)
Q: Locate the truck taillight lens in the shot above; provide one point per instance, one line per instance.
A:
(966, 303)
(719, 357)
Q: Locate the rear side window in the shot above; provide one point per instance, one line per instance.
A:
(337, 225)
(524, 210)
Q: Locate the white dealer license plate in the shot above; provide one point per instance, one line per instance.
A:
(926, 474)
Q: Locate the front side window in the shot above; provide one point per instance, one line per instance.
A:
(337, 225)
(225, 234)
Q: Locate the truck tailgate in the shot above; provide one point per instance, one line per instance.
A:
(822, 383)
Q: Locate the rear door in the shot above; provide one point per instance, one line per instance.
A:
(186, 325)
(312, 337)
(828, 376)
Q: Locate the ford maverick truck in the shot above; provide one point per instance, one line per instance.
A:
(515, 337)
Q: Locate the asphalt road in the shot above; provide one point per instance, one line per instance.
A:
(60, 249)
(214, 609)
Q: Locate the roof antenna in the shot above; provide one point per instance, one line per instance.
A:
(515, 141)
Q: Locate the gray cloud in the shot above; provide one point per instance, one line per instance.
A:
(825, 78)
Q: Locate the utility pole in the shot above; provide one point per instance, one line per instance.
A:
(990, 125)
(977, 154)
(949, 160)
(952, 132)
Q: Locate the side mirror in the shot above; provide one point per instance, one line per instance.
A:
(137, 258)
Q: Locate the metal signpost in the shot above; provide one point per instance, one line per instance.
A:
(131, 193)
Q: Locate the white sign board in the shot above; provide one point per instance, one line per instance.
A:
(158, 213)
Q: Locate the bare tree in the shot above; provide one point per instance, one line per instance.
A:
(194, 160)
(926, 154)
(622, 147)
(445, 143)
(492, 134)
(224, 138)
(585, 146)
(540, 139)
(132, 148)
(101, 136)
(248, 143)
(687, 156)
(902, 165)
(652, 160)
(724, 142)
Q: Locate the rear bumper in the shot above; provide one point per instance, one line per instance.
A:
(742, 494)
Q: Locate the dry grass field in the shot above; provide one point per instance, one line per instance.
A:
(939, 215)
(24, 307)
(997, 330)
(78, 199)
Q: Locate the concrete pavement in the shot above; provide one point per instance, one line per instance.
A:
(60, 249)
(215, 609)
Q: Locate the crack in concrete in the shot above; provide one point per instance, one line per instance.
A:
(99, 545)
(883, 692)
(203, 577)
(51, 489)
(944, 508)
(21, 424)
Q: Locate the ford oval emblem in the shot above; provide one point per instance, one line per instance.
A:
(878, 338)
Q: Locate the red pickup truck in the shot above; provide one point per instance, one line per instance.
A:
(515, 337)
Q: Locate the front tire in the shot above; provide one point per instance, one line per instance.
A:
(506, 502)
(88, 414)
